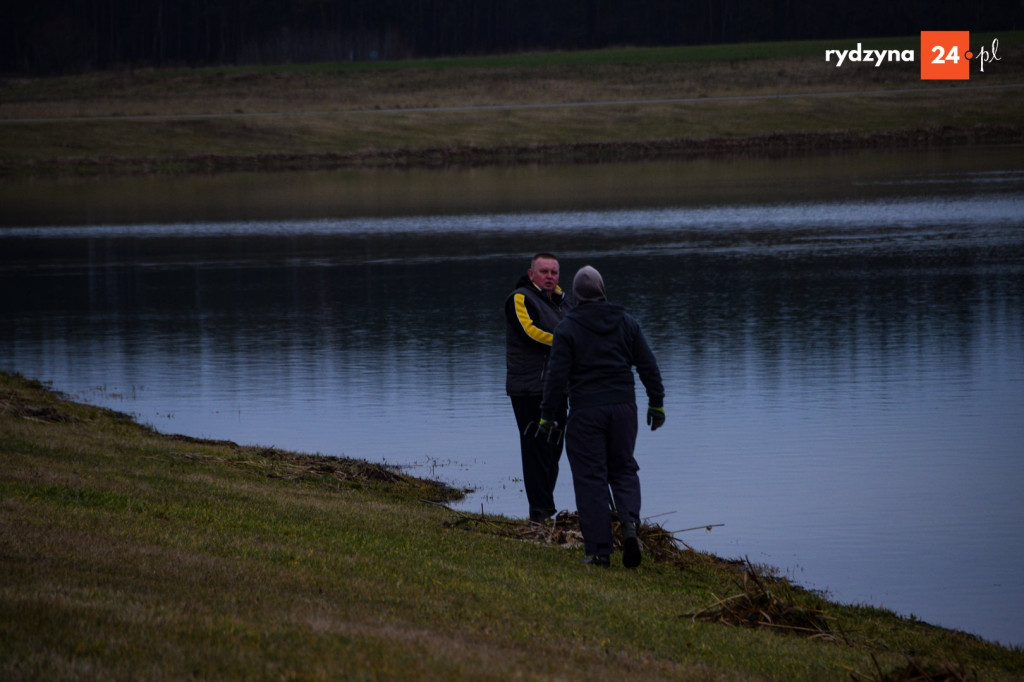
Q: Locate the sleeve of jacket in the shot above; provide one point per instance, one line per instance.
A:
(556, 377)
(647, 368)
(520, 316)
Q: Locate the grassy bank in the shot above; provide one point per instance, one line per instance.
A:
(585, 106)
(128, 554)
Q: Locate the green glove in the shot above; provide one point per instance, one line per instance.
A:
(544, 426)
(655, 417)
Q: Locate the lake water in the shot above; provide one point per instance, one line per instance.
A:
(841, 338)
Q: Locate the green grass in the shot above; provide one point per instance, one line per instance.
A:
(288, 116)
(128, 554)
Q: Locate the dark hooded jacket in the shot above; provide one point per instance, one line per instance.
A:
(593, 352)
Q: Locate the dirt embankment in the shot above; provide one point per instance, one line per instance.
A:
(763, 146)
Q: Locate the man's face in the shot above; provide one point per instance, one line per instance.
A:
(544, 274)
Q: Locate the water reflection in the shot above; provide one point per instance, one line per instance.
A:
(845, 377)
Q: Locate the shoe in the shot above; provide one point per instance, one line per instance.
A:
(631, 557)
(598, 561)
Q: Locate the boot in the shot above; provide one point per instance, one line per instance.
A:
(597, 560)
(630, 545)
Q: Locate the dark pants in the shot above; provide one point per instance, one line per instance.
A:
(540, 457)
(599, 442)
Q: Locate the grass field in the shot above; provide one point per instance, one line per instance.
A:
(573, 106)
(128, 554)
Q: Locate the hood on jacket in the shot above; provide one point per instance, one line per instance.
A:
(599, 317)
(588, 285)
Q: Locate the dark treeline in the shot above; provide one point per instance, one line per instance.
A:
(60, 36)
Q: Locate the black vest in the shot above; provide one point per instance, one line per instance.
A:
(526, 358)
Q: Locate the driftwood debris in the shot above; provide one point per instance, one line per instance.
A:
(563, 530)
(765, 602)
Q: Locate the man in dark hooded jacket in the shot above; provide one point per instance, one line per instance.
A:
(593, 353)
(532, 311)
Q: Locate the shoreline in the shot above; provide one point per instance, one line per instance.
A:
(127, 545)
(773, 145)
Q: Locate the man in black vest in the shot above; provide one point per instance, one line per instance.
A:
(532, 312)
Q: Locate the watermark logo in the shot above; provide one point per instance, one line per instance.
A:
(876, 57)
(945, 55)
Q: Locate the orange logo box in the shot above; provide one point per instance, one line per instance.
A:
(946, 55)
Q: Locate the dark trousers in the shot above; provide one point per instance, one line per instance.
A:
(540, 457)
(599, 442)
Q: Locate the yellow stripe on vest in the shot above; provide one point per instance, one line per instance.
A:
(532, 330)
